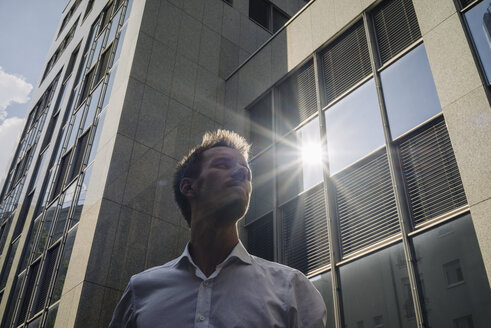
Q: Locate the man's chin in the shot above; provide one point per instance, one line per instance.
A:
(235, 209)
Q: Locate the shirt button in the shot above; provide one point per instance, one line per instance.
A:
(201, 318)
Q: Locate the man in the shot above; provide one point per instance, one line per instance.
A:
(215, 282)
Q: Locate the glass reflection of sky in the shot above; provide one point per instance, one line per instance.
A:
(479, 22)
(409, 92)
(354, 127)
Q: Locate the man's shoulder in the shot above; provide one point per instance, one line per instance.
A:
(152, 273)
(276, 268)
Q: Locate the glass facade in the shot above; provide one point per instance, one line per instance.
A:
(362, 213)
(478, 20)
(66, 164)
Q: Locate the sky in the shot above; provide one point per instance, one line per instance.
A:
(27, 28)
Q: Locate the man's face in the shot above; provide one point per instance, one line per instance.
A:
(224, 184)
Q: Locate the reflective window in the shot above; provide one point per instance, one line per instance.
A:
(63, 213)
(260, 115)
(45, 229)
(374, 291)
(478, 19)
(262, 186)
(109, 87)
(120, 44)
(51, 317)
(75, 128)
(97, 50)
(299, 161)
(91, 111)
(97, 136)
(114, 27)
(456, 287)
(354, 127)
(30, 242)
(409, 92)
(8, 264)
(65, 259)
(15, 295)
(323, 283)
(77, 211)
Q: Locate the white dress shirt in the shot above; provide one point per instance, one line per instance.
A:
(244, 291)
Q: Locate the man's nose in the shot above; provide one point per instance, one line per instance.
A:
(240, 173)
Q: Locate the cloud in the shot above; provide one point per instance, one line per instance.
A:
(13, 89)
(9, 135)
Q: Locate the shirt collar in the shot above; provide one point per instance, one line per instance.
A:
(238, 252)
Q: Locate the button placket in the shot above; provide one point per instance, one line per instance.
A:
(203, 304)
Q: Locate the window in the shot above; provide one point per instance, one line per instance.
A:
(340, 71)
(63, 44)
(366, 207)
(369, 290)
(78, 157)
(304, 238)
(260, 116)
(267, 15)
(63, 266)
(396, 27)
(478, 20)
(71, 62)
(62, 170)
(453, 272)
(260, 241)
(262, 186)
(409, 92)
(69, 15)
(87, 84)
(103, 64)
(50, 130)
(299, 161)
(92, 107)
(456, 241)
(298, 100)
(354, 127)
(430, 172)
(90, 4)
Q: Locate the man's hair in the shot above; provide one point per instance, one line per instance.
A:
(190, 165)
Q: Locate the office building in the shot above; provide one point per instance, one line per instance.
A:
(370, 124)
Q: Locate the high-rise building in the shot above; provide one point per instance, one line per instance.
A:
(370, 123)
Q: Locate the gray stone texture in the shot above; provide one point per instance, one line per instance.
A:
(142, 175)
(452, 65)
(165, 208)
(183, 81)
(130, 247)
(161, 67)
(469, 125)
(432, 13)
(131, 108)
(168, 24)
(151, 121)
(229, 58)
(189, 38)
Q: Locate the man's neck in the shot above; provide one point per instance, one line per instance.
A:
(210, 245)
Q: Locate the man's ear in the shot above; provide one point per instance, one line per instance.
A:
(186, 187)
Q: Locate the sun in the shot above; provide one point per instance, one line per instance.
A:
(311, 153)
